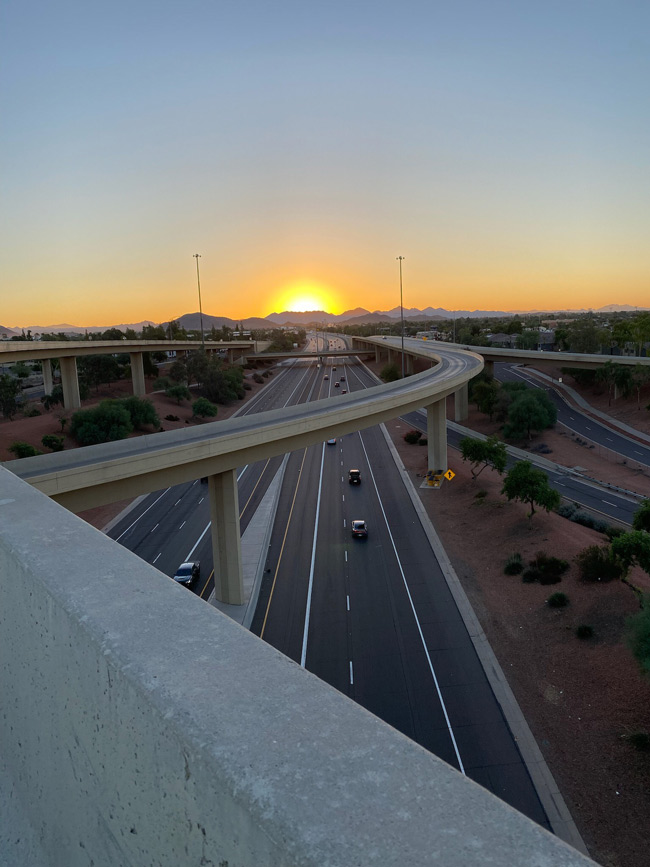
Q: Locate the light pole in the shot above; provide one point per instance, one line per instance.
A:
(197, 256)
(401, 308)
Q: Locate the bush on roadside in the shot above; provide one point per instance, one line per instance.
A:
(23, 450)
(573, 513)
(411, 437)
(598, 563)
(583, 631)
(108, 421)
(31, 412)
(203, 408)
(53, 442)
(514, 565)
(172, 418)
(257, 378)
(549, 569)
(558, 600)
(389, 373)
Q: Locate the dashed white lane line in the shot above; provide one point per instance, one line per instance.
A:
(346, 556)
(182, 525)
(347, 598)
(153, 528)
(610, 504)
(344, 524)
(343, 497)
(158, 555)
(351, 673)
(201, 500)
(177, 501)
(609, 439)
(638, 453)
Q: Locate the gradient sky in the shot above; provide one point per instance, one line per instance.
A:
(501, 146)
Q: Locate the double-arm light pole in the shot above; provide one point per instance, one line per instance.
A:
(197, 256)
(401, 308)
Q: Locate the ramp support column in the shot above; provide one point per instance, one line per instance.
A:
(226, 541)
(461, 408)
(70, 383)
(437, 435)
(46, 367)
(137, 374)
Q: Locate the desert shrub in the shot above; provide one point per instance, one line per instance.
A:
(550, 569)
(247, 386)
(179, 392)
(203, 408)
(53, 442)
(573, 513)
(162, 383)
(423, 441)
(172, 418)
(567, 510)
(257, 378)
(480, 495)
(389, 373)
(141, 411)
(583, 631)
(23, 450)
(266, 374)
(31, 412)
(108, 421)
(529, 576)
(598, 563)
(614, 532)
(640, 740)
(514, 565)
(412, 436)
(558, 600)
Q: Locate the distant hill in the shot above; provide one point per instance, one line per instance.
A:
(66, 328)
(192, 321)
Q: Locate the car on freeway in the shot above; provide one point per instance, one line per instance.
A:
(326, 376)
(344, 391)
(337, 385)
(331, 442)
(354, 477)
(342, 379)
(187, 573)
(359, 529)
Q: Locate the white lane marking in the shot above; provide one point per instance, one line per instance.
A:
(201, 500)
(144, 513)
(341, 478)
(587, 428)
(177, 501)
(194, 482)
(610, 504)
(417, 620)
(346, 556)
(561, 483)
(343, 497)
(305, 632)
(609, 439)
(153, 528)
(344, 524)
(196, 544)
(351, 673)
(572, 418)
(158, 555)
(638, 453)
(182, 525)
(347, 598)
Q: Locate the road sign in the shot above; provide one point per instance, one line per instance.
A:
(449, 475)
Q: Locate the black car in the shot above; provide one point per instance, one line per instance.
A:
(354, 477)
(187, 573)
(359, 529)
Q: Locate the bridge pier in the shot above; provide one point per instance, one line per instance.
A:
(46, 367)
(410, 364)
(461, 401)
(70, 382)
(437, 435)
(226, 540)
(488, 367)
(137, 374)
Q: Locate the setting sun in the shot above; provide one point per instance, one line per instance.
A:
(302, 297)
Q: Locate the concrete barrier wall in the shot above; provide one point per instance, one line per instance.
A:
(141, 727)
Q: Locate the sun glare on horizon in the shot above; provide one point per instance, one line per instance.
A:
(303, 298)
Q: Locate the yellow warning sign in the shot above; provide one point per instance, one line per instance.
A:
(449, 475)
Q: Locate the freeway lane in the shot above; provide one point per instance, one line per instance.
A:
(383, 627)
(579, 422)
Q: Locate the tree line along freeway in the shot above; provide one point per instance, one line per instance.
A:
(374, 618)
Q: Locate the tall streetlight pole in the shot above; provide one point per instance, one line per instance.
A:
(401, 308)
(197, 256)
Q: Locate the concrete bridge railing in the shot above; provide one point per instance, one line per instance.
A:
(140, 726)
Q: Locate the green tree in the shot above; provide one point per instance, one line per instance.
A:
(485, 395)
(526, 483)
(53, 442)
(640, 378)
(178, 392)
(98, 369)
(178, 371)
(638, 636)
(390, 373)
(641, 329)
(633, 548)
(112, 334)
(23, 450)
(203, 408)
(641, 519)
(9, 388)
(583, 335)
(108, 421)
(528, 340)
(197, 367)
(141, 411)
(20, 370)
(484, 453)
(530, 411)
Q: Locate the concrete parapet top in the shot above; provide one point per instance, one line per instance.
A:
(141, 726)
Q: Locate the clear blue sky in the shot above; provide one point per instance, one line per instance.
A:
(502, 147)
